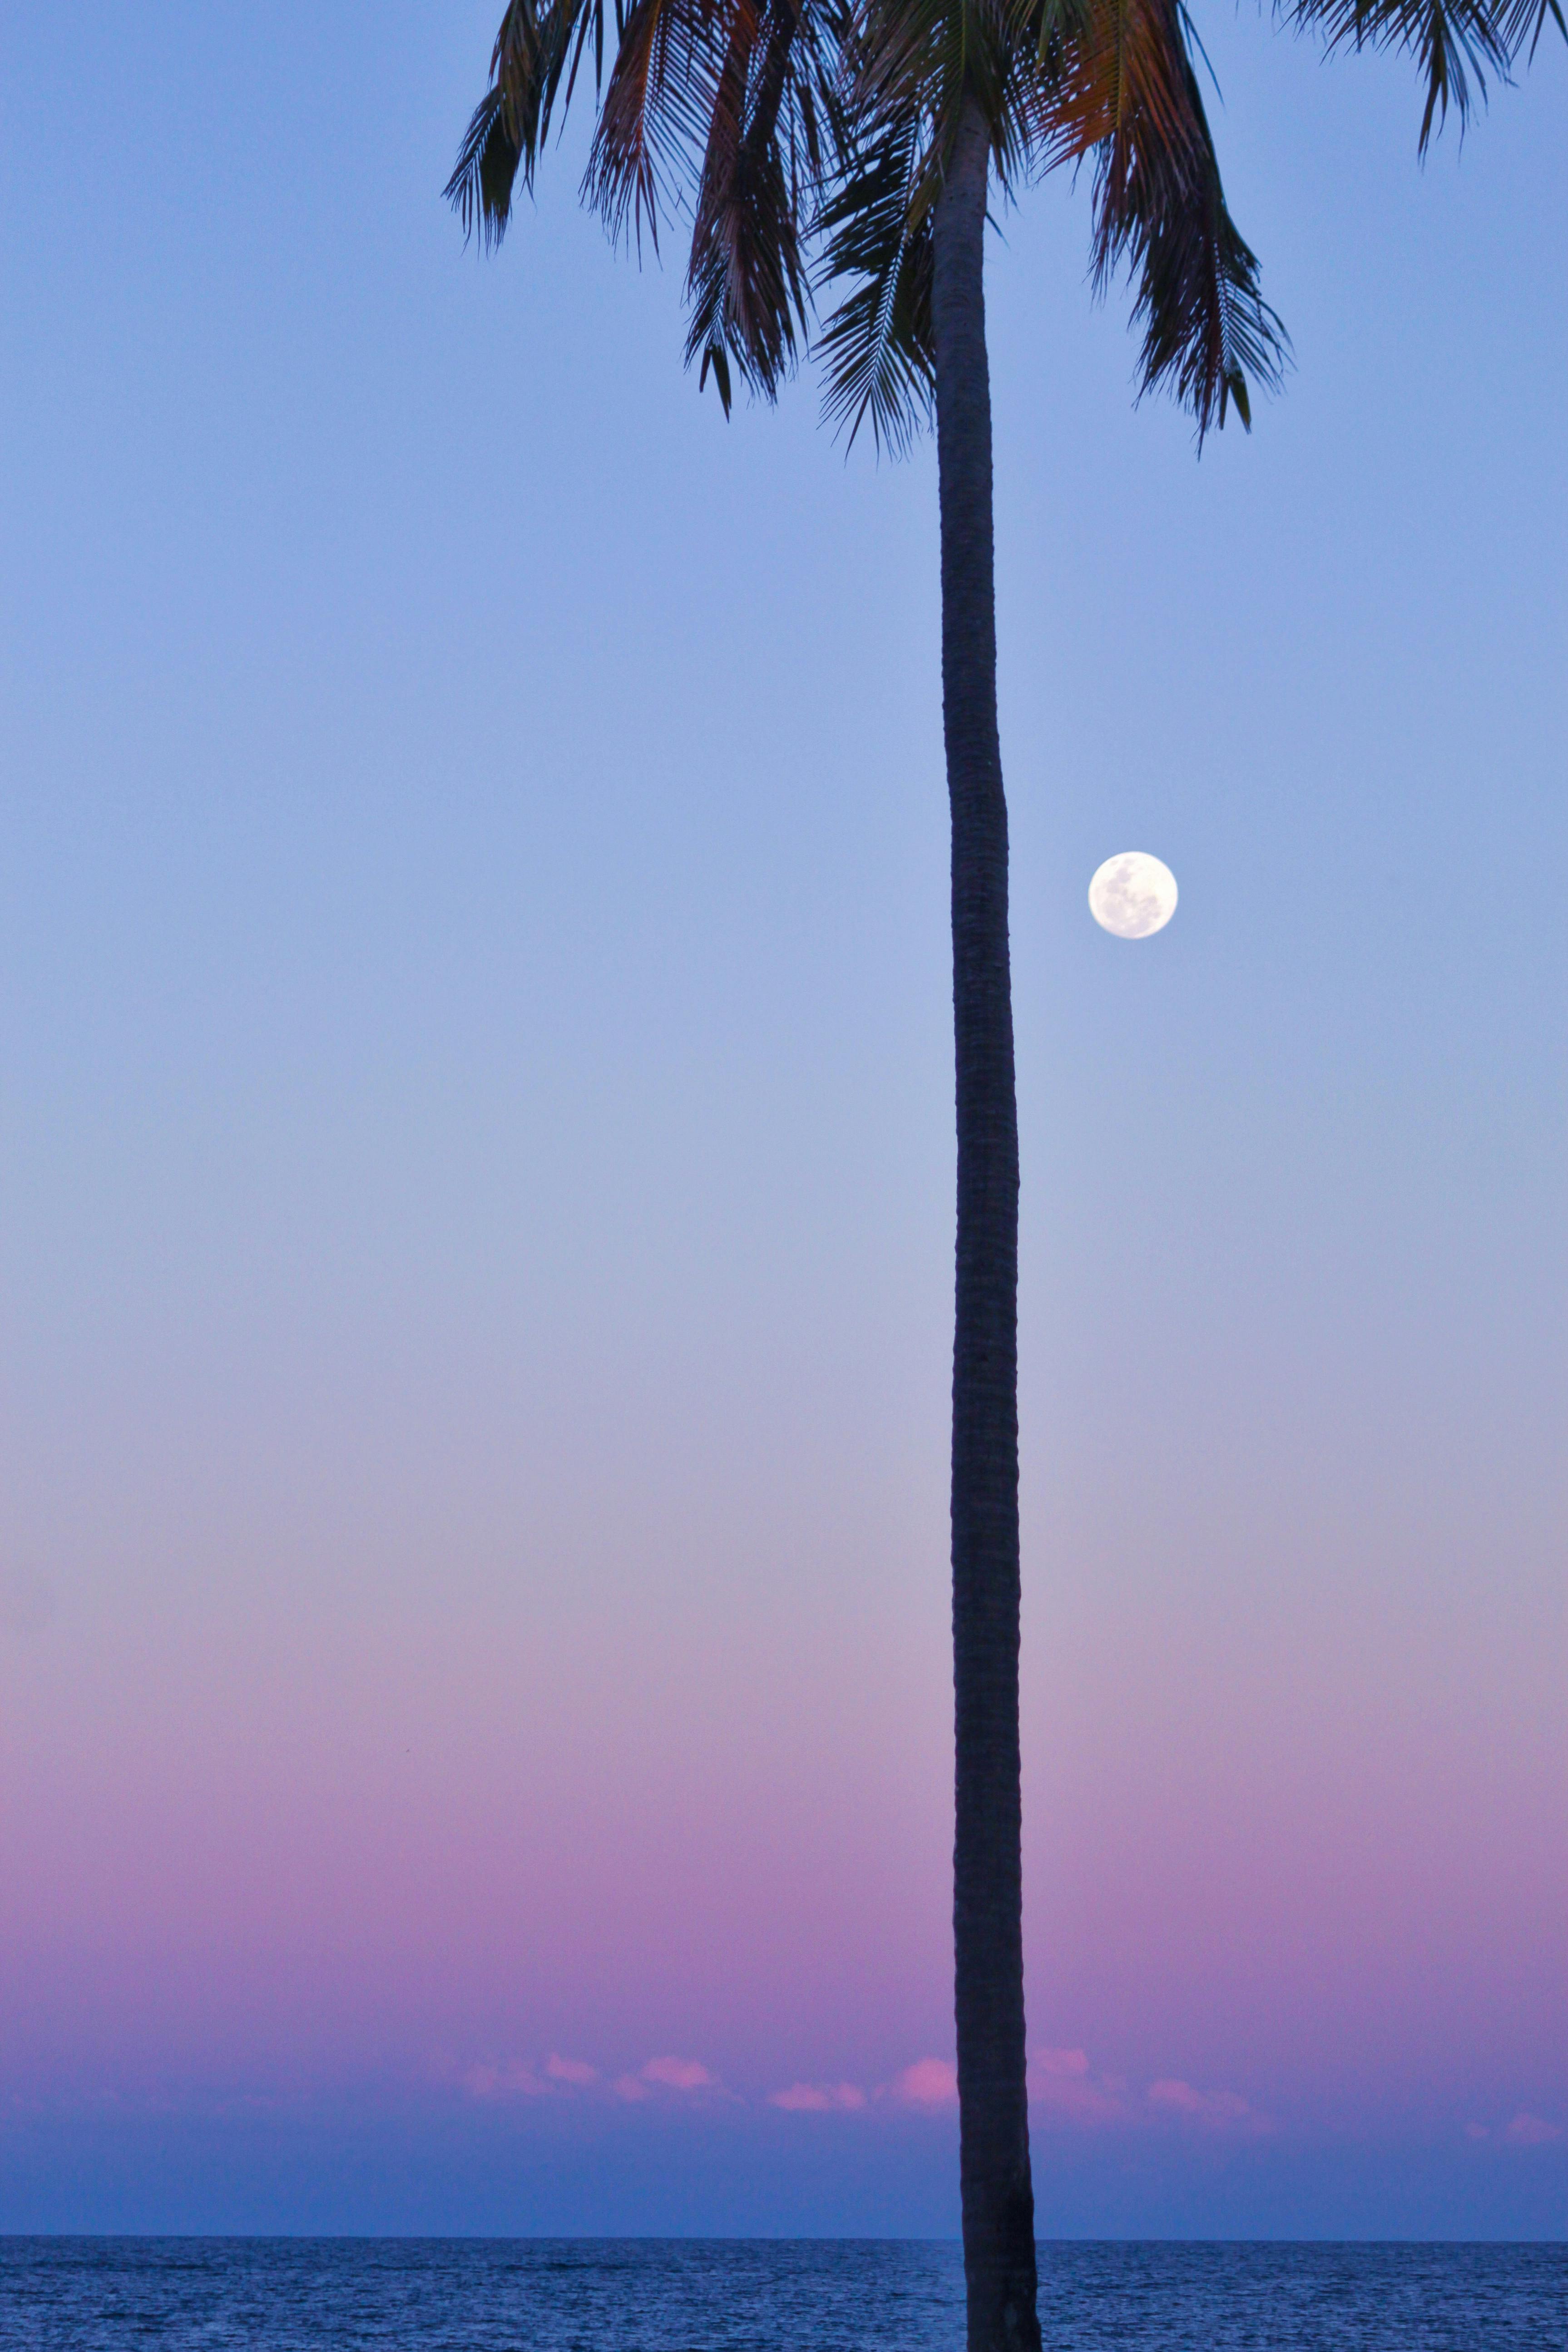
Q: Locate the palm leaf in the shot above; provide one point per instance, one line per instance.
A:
(747, 280)
(479, 190)
(877, 345)
(511, 122)
(1128, 87)
(1526, 19)
(653, 113)
(1452, 41)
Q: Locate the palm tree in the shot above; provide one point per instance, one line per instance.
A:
(871, 131)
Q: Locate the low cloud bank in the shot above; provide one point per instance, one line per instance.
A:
(1067, 2093)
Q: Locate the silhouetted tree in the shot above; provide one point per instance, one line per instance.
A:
(870, 133)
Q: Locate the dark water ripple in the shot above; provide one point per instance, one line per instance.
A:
(283, 2294)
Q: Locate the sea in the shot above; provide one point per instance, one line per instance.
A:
(579, 2294)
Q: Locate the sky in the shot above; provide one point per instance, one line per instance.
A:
(474, 1713)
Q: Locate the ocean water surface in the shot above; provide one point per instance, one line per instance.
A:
(458, 2294)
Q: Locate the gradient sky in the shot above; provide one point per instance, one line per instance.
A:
(477, 1195)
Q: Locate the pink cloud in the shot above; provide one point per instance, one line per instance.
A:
(1531, 2131)
(570, 2070)
(631, 2088)
(818, 2098)
(1060, 2082)
(680, 2074)
(502, 2081)
(1221, 2111)
(930, 2082)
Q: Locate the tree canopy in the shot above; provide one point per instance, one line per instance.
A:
(804, 142)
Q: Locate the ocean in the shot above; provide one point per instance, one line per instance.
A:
(464, 2294)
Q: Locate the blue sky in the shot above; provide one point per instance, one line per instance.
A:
(477, 1155)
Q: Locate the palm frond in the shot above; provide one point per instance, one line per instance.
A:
(1110, 78)
(714, 105)
(911, 61)
(1525, 20)
(652, 113)
(1208, 335)
(479, 190)
(1453, 42)
(877, 345)
(777, 122)
(747, 280)
(533, 50)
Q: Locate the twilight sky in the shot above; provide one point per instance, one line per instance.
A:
(474, 1706)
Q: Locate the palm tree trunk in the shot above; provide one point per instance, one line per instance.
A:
(987, 1902)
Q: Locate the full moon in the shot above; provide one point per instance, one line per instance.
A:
(1133, 895)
